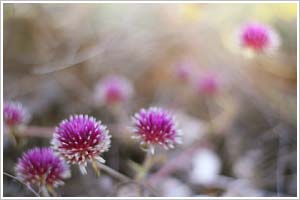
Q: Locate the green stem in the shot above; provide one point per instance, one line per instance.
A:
(142, 173)
(113, 172)
(15, 136)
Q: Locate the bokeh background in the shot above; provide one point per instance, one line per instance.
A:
(240, 141)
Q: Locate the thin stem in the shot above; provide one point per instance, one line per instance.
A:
(13, 134)
(145, 167)
(113, 172)
(27, 186)
(142, 173)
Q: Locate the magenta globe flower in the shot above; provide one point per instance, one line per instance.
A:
(113, 89)
(156, 126)
(258, 37)
(80, 139)
(41, 167)
(14, 114)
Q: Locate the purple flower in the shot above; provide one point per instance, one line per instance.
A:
(41, 167)
(80, 139)
(156, 126)
(14, 114)
(113, 89)
(208, 84)
(258, 37)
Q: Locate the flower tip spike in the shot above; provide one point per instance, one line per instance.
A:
(82, 169)
(100, 159)
(152, 149)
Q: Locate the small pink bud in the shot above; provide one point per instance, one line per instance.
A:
(207, 84)
(14, 114)
(113, 89)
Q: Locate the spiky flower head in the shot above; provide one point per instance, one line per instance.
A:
(41, 167)
(80, 139)
(207, 83)
(258, 37)
(156, 126)
(14, 114)
(113, 89)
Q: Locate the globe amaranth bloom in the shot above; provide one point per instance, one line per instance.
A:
(41, 167)
(208, 83)
(113, 89)
(156, 126)
(14, 114)
(80, 139)
(258, 37)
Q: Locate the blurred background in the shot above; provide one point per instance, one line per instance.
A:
(240, 131)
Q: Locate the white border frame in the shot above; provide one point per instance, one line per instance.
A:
(149, 2)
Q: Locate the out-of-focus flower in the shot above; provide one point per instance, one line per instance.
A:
(208, 83)
(258, 37)
(80, 139)
(193, 128)
(156, 126)
(183, 70)
(41, 167)
(14, 114)
(172, 187)
(113, 89)
(206, 167)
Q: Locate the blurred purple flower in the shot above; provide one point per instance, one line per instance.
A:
(183, 70)
(80, 139)
(41, 167)
(208, 83)
(156, 126)
(14, 114)
(113, 89)
(258, 37)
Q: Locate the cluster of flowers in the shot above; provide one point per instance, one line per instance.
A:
(254, 37)
(82, 139)
(207, 83)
